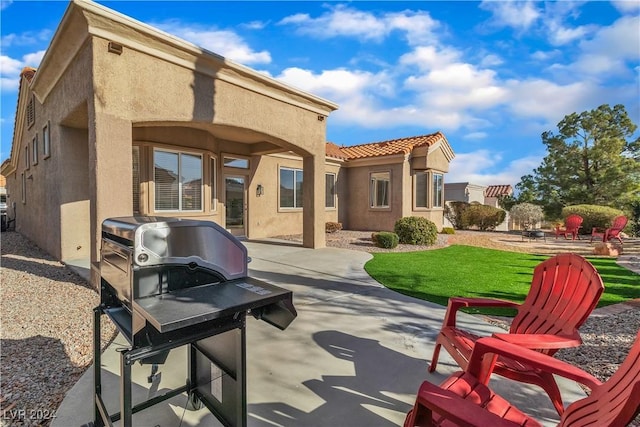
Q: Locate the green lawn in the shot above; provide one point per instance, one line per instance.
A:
(470, 271)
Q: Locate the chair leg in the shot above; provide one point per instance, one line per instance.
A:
(551, 387)
(434, 358)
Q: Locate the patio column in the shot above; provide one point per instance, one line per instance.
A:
(313, 188)
(110, 176)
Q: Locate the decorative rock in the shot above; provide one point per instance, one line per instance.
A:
(608, 249)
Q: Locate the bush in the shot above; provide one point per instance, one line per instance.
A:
(483, 216)
(527, 214)
(385, 239)
(448, 230)
(332, 227)
(592, 216)
(414, 230)
(454, 212)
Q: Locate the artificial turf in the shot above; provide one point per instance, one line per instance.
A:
(469, 271)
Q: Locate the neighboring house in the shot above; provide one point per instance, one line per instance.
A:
(491, 196)
(3, 202)
(123, 119)
(486, 195)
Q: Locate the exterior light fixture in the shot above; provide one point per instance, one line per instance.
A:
(259, 190)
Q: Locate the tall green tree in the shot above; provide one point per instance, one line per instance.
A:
(591, 159)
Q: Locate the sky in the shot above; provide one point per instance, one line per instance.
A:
(491, 75)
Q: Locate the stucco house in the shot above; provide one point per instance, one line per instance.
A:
(123, 119)
(486, 195)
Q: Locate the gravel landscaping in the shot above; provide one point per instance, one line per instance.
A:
(46, 324)
(47, 332)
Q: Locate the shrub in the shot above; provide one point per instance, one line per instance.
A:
(592, 216)
(385, 239)
(332, 227)
(635, 218)
(415, 230)
(483, 216)
(454, 212)
(527, 214)
(448, 230)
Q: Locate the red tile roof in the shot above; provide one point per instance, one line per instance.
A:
(383, 148)
(498, 190)
(28, 73)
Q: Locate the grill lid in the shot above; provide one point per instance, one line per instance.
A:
(161, 241)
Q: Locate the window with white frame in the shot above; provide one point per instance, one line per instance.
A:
(421, 180)
(437, 190)
(213, 186)
(178, 181)
(46, 141)
(290, 188)
(135, 156)
(35, 150)
(235, 162)
(379, 189)
(27, 157)
(330, 190)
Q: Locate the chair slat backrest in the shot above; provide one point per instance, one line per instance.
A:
(619, 223)
(564, 291)
(615, 403)
(573, 222)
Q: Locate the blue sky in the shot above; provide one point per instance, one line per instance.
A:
(492, 75)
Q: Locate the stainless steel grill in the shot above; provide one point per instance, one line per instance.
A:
(168, 282)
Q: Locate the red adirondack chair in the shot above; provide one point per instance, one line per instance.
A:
(465, 399)
(564, 291)
(571, 227)
(612, 232)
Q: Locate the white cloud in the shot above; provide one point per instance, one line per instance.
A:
(627, 6)
(223, 42)
(343, 21)
(545, 99)
(10, 66)
(255, 25)
(517, 15)
(475, 136)
(10, 69)
(472, 167)
(33, 59)
(26, 39)
(491, 60)
(620, 40)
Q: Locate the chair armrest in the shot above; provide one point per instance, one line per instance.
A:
(541, 341)
(456, 409)
(456, 303)
(481, 364)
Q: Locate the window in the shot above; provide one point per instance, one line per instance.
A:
(233, 162)
(178, 181)
(330, 190)
(214, 200)
(31, 112)
(421, 189)
(35, 150)
(290, 188)
(135, 156)
(46, 141)
(27, 159)
(379, 190)
(23, 179)
(437, 190)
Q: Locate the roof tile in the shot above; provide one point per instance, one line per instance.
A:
(498, 190)
(383, 148)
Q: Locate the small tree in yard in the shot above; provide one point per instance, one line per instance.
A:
(483, 216)
(454, 212)
(527, 214)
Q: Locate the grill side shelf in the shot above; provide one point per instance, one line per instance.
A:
(187, 307)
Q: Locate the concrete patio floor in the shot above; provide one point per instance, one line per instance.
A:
(354, 356)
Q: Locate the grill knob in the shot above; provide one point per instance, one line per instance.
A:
(143, 258)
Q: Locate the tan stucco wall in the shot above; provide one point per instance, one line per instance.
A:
(53, 191)
(359, 215)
